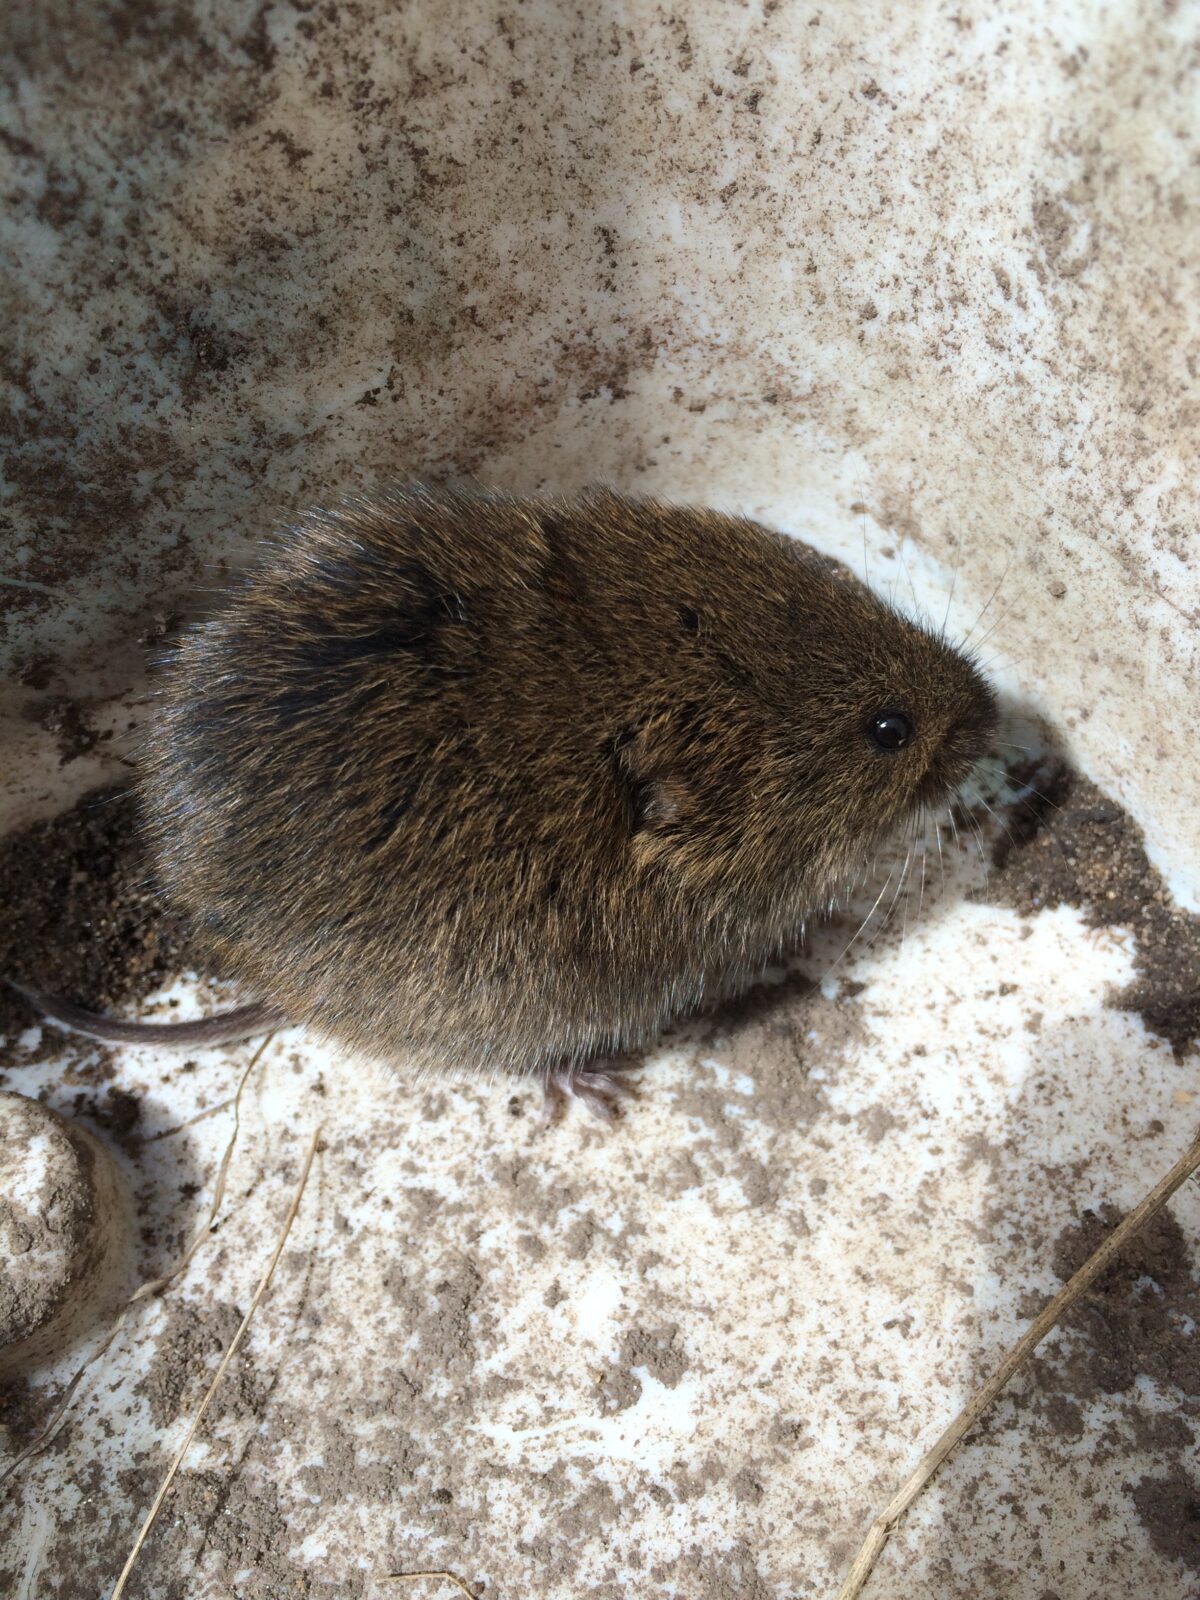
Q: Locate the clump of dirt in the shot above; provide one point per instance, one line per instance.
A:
(185, 1357)
(658, 1351)
(1169, 1510)
(1133, 1324)
(1076, 846)
(34, 671)
(70, 723)
(1130, 1322)
(23, 1412)
(773, 1034)
(119, 1111)
(80, 914)
(239, 1525)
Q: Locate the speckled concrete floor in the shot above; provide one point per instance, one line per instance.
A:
(919, 281)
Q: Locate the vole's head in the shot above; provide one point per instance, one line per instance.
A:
(886, 721)
(836, 721)
(893, 713)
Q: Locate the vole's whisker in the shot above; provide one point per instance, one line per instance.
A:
(1000, 619)
(1029, 788)
(924, 853)
(912, 845)
(862, 502)
(937, 831)
(962, 644)
(978, 831)
(848, 946)
(918, 614)
(858, 932)
(1045, 822)
(885, 920)
(999, 820)
(1002, 658)
(950, 597)
(950, 817)
(93, 804)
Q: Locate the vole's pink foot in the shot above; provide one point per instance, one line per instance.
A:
(600, 1086)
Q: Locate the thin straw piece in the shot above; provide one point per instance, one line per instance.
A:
(1079, 1284)
(448, 1577)
(264, 1281)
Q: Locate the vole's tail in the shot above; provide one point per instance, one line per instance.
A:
(227, 1027)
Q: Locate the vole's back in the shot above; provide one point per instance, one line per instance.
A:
(484, 780)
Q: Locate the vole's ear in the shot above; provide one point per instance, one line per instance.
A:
(660, 804)
(657, 799)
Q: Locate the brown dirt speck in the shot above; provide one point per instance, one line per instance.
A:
(1078, 847)
(71, 725)
(185, 1358)
(1132, 1321)
(1169, 1510)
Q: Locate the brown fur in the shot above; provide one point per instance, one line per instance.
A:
(466, 779)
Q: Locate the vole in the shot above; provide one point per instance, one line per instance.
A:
(472, 779)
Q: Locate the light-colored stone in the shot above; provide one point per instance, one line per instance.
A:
(62, 1226)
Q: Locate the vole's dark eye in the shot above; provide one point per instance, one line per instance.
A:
(890, 730)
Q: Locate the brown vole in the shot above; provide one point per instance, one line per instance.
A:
(513, 783)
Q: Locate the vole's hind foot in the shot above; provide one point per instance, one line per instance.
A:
(601, 1086)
